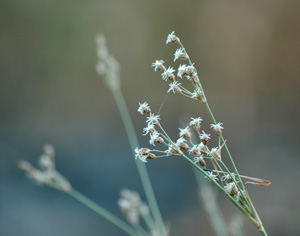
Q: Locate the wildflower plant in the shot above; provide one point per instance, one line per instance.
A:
(197, 153)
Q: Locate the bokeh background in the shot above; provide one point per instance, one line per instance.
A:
(247, 54)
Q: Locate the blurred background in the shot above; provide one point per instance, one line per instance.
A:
(247, 54)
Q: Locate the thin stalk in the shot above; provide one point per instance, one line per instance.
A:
(211, 206)
(133, 141)
(215, 182)
(263, 231)
(102, 212)
(226, 148)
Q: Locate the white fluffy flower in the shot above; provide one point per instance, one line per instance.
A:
(180, 54)
(172, 38)
(138, 154)
(212, 176)
(158, 65)
(153, 119)
(144, 108)
(168, 74)
(174, 87)
(181, 71)
(149, 129)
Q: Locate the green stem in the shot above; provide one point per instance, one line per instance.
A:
(133, 141)
(102, 212)
(263, 231)
(225, 146)
(211, 206)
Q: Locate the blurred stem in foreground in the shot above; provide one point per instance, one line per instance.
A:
(211, 206)
(108, 68)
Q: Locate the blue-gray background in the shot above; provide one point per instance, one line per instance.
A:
(247, 54)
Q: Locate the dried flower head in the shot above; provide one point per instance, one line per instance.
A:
(182, 70)
(196, 123)
(231, 189)
(212, 176)
(203, 148)
(200, 160)
(186, 133)
(144, 108)
(174, 150)
(155, 138)
(153, 119)
(181, 143)
(174, 87)
(172, 38)
(195, 150)
(204, 137)
(168, 74)
(141, 154)
(218, 128)
(149, 129)
(159, 65)
(180, 54)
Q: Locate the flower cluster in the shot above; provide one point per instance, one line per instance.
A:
(47, 173)
(158, 135)
(184, 71)
(185, 146)
(132, 206)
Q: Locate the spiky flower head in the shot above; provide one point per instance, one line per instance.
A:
(204, 137)
(196, 123)
(180, 54)
(159, 65)
(149, 129)
(153, 119)
(211, 175)
(172, 38)
(181, 143)
(168, 74)
(174, 87)
(144, 108)
(186, 133)
(218, 128)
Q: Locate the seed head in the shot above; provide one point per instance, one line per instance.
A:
(144, 108)
(153, 119)
(168, 74)
(203, 148)
(196, 123)
(204, 137)
(149, 129)
(142, 154)
(174, 87)
(218, 128)
(212, 176)
(180, 54)
(172, 38)
(195, 150)
(200, 160)
(231, 189)
(174, 150)
(155, 138)
(181, 143)
(159, 65)
(186, 133)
